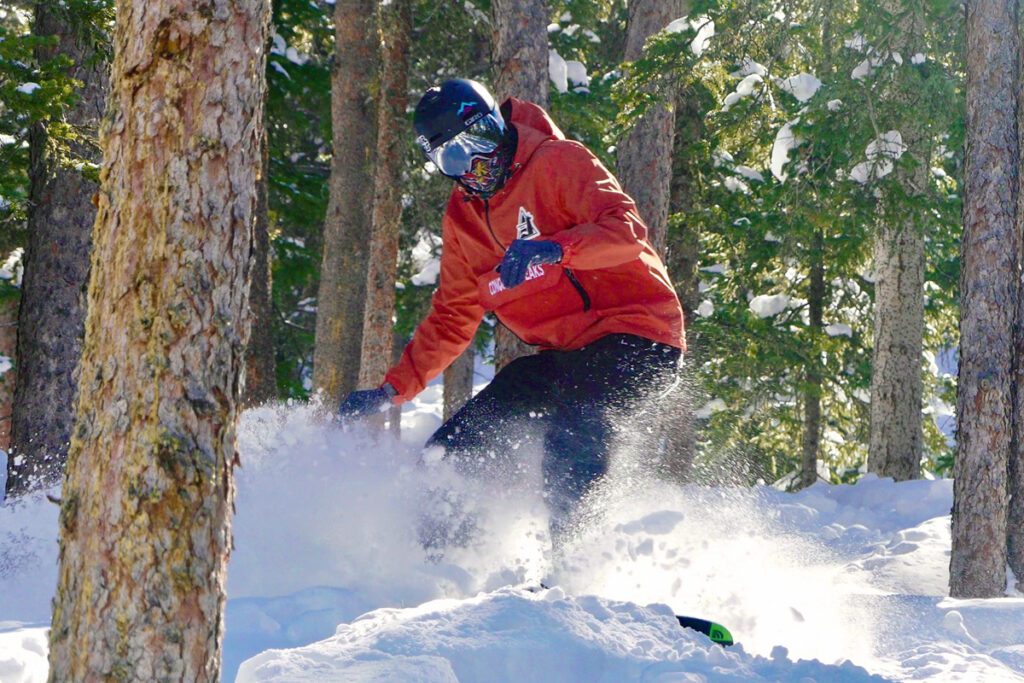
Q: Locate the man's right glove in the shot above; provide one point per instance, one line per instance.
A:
(367, 401)
(522, 254)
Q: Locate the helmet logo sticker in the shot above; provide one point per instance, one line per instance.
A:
(526, 229)
(464, 106)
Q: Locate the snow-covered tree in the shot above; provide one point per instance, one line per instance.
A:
(786, 200)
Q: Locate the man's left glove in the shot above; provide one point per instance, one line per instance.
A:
(525, 253)
(367, 401)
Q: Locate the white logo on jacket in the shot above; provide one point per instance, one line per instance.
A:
(526, 229)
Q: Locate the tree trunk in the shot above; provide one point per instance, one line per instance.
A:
(8, 379)
(458, 382)
(988, 296)
(683, 247)
(896, 439)
(378, 326)
(813, 374)
(145, 515)
(520, 52)
(260, 364)
(645, 153)
(342, 296)
(395, 412)
(1015, 486)
(52, 315)
(520, 62)
(896, 382)
(1015, 469)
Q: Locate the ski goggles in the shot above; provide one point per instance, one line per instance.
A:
(455, 157)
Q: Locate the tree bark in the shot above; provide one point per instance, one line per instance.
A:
(988, 295)
(1015, 469)
(896, 382)
(51, 319)
(1015, 486)
(8, 348)
(520, 52)
(378, 327)
(520, 62)
(260, 364)
(395, 412)
(145, 515)
(683, 251)
(342, 295)
(458, 382)
(645, 152)
(813, 374)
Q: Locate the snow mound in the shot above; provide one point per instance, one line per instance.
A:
(23, 653)
(517, 636)
(325, 531)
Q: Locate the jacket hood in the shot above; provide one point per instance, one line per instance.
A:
(533, 125)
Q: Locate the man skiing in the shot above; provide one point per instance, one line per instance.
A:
(538, 232)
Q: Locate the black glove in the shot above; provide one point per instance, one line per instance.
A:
(525, 253)
(367, 401)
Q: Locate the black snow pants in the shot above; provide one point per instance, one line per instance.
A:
(573, 401)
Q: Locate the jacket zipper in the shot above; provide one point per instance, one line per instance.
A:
(487, 216)
(579, 289)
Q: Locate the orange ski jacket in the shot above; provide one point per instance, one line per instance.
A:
(610, 280)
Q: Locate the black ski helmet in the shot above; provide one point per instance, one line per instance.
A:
(446, 110)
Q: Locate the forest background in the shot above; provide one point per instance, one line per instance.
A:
(815, 144)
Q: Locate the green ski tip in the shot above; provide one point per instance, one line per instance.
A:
(716, 632)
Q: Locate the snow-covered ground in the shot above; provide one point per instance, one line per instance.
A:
(329, 583)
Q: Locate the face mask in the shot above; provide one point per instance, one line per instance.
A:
(488, 172)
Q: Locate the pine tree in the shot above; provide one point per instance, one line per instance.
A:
(989, 289)
(645, 152)
(145, 510)
(260, 363)
(395, 21)
(899, 269)
(51, 319)
(342, 296)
